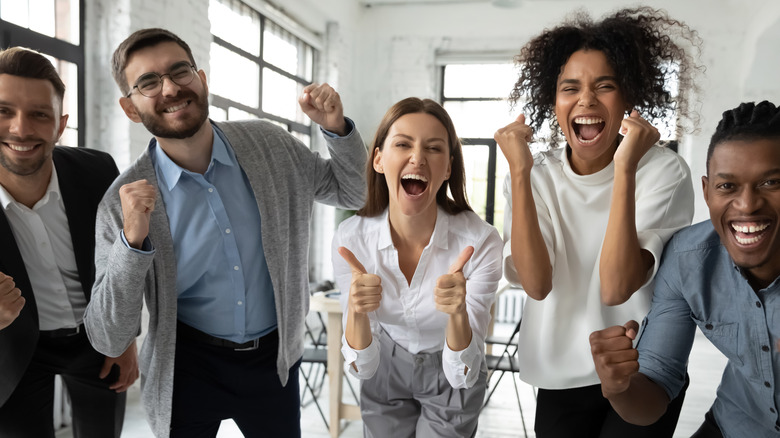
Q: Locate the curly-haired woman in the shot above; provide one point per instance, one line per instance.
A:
(587, 222)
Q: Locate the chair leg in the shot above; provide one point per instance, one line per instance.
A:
(313, 397)
(490, 394)
(519, 405)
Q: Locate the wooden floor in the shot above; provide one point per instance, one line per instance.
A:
(501, 418)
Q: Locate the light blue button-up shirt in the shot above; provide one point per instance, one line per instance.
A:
(222, 277)
(699, 285)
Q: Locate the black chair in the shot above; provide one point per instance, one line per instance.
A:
(502, 363)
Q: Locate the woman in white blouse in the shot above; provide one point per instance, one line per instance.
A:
(418, 272)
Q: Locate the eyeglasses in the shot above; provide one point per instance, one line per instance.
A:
(150, 84)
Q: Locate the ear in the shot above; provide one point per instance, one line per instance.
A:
(704, 189)
(129, 108)
(449, 169)
(202, 76)
(63, 125)
(378, 166)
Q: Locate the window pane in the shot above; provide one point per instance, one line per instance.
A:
(287, 52)
(479, 119)
(280, 97)
(54, 18)
(217, 114)
(478, 80)
(304, 138)
(237, 114)
(236, 23)
(234, 77)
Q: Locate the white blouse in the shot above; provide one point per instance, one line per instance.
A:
(407, 312)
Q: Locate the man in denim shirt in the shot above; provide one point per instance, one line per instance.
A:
(722, 276)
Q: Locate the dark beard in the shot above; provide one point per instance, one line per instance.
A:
(29, 169)
(153, 125)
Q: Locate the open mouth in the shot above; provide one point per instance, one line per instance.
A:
(414, 184)
(588, 129)
(749, 233)
(173, 109)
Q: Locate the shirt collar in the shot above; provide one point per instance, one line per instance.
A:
(438, 239)
(171, 172)
(52, 192)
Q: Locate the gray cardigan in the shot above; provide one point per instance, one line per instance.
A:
(286, 177)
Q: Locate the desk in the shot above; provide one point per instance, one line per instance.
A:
(338, 409)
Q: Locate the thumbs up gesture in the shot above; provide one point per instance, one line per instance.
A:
(365, 291)
(450, 291)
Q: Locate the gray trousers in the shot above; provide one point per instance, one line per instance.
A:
(409, 396)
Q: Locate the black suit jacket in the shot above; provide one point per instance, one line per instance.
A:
(84, 175)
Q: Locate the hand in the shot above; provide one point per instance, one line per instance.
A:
(450, 291)
(128, 368)
(640, 136)
(365, 292)
(615, 357)
(323, 106)
(137, 200)
(11, 301)
(513, 140)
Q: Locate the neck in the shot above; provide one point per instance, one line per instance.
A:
(192, 153)
(759, 278)
(410, 232)
(27, 189)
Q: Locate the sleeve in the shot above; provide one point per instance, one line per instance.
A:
(667, 333)
(483, 273)
(340, 181)
(113, 315)
(367, 360)
(545, 225)
(664, 208)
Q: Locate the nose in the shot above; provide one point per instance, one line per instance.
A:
(587, 98)
(21, 126)
(169, 88)
(748, 200)
(418, 156)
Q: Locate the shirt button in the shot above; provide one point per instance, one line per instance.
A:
(772, 410)
(758, 303)
(227, 230)
(708, 326)
(235, 268)
(211, 190)
(767, 384)
(765, 347)
(240, 303)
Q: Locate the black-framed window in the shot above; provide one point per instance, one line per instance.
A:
(257, 69)
(475, 96)
(56, 29)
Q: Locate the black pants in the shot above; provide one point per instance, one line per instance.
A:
(211, 384)
(98, 412)
(708, 429)
(584, 412)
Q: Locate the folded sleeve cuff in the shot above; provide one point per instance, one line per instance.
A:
(366, 360)
(462, 367)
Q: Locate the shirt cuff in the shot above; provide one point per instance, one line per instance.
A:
(350, 129)
(455, 362)
(366, 360)
(146, 246)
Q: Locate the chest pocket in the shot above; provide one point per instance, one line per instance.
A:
(724, 335)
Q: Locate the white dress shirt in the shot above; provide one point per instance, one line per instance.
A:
(43, 237)
(407, 312)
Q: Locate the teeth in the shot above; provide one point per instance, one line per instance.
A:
(749, 228)
(19, 148)
(588, 120)
(415, 176)
(175, 108)
(749, 240)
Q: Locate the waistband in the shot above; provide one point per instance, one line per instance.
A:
(185, 331)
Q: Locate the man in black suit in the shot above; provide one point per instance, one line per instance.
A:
(48, 201)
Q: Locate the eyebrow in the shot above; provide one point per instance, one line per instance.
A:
(412, 139)
(769, 172)
(38, 107)
(598, 79)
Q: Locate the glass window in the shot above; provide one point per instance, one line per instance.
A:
(54, 18)
(234, 77)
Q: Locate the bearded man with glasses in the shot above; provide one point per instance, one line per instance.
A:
(210, 225)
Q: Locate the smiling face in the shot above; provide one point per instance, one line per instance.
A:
(415, 160)
(590, 108)
(743, 195)
(30, 124)
(178, 111)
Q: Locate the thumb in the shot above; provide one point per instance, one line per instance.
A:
(521, 119)
(464, 257)
(351, 260)
(632, 328)
(105, 369)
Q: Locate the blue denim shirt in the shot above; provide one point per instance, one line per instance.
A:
(699, 285)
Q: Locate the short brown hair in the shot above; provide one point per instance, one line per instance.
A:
(27, 63)
(136, 41)
(378, 197)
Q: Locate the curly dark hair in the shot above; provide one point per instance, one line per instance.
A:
(749, 121)
(644, 46)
